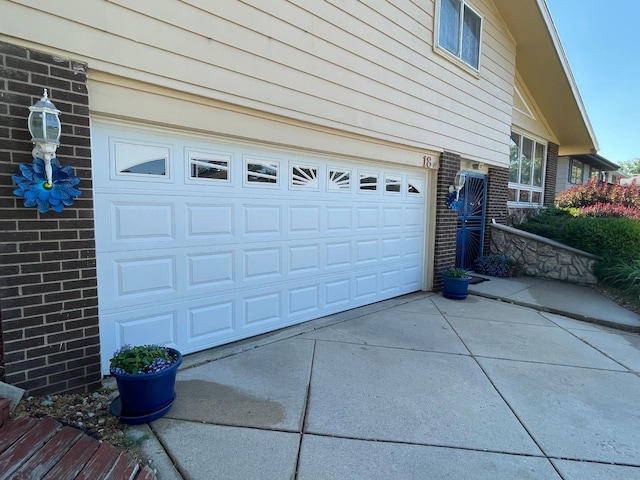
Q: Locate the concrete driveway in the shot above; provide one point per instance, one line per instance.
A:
(418, 387)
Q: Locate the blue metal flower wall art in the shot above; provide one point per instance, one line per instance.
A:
(38, 191)
(454, 204)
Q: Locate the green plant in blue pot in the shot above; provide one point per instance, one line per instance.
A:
(146, 376)
(456, 283)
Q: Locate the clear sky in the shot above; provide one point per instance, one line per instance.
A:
(602, 42)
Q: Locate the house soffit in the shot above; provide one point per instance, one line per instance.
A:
(542, 64)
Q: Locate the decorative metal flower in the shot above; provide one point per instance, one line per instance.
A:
(454, 204)
(37, 191)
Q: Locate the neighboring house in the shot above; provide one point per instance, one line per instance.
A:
(626, 179)
(579, 169)
(249, 165)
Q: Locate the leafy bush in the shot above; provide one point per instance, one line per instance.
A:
(609, 210)
(495, 265)
(548, 223)
(141, 359)
(612, 238)
(583, 195)
(592, 193)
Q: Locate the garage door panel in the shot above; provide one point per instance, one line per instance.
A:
(263, 264)
(366, 251)
(145, 277)
(391, 281)
(305, 259)
(412, 278)
(135, 222)
(211, 321)
(392, 219)
(304, 300)
(414, 217)
(233, 241)
(338, 293)
(339, 220)
(339, 254)
(262, 221)
(213, 221)
(392, 248)
(413, 246)
(153, 325)
(261, 308)
(211, 270)
(366, 286)
(304, 220)
(367, 219)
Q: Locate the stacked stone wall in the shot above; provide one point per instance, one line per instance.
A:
(540, 257)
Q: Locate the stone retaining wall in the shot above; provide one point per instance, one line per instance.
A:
(540, 257)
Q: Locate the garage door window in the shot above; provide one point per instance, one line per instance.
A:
(392, 184)
(339, 180)
(209, 167)
(262, 171)
(304, 176)
(152, 167)
(368, 182)
(414, 186)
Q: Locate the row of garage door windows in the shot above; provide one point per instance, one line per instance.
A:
(264, 171)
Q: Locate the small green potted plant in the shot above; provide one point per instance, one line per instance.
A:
(456, 283)
(146, 376)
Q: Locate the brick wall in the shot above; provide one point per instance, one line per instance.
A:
(445, 241)
(496, 208)
(48, 291)
(551, 175)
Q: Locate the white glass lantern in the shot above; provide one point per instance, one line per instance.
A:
(458, 182)
(45, 129)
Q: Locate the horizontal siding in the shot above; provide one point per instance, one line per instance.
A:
(364, 67)
(536, 124)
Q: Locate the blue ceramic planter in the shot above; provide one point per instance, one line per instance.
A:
(455, 288)
(143, 395)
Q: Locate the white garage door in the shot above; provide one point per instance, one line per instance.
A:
(203, 243)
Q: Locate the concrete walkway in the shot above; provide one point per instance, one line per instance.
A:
(417, 387)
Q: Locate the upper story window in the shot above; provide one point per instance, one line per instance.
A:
(526, 171)
(459, 31)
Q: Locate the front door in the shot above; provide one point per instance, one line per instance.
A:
(470, 224)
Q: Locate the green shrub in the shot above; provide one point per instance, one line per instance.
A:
(615, 239)
(624, 276)
(548, 223)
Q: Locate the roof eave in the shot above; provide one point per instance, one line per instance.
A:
(543, 66)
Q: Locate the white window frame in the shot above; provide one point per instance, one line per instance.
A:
(529, 188)
(456, 57)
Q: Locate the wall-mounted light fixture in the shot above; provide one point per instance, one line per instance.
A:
(45, 129)
(458, 183)
(45, 183)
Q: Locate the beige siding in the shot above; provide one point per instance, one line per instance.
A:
(366, 68)
(528, 118)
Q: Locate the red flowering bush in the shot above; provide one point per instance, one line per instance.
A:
(609, 210)
(583, 195)
(602, 200)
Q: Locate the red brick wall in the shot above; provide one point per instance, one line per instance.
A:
(445, 241)
(48, 291)
(551, 175)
